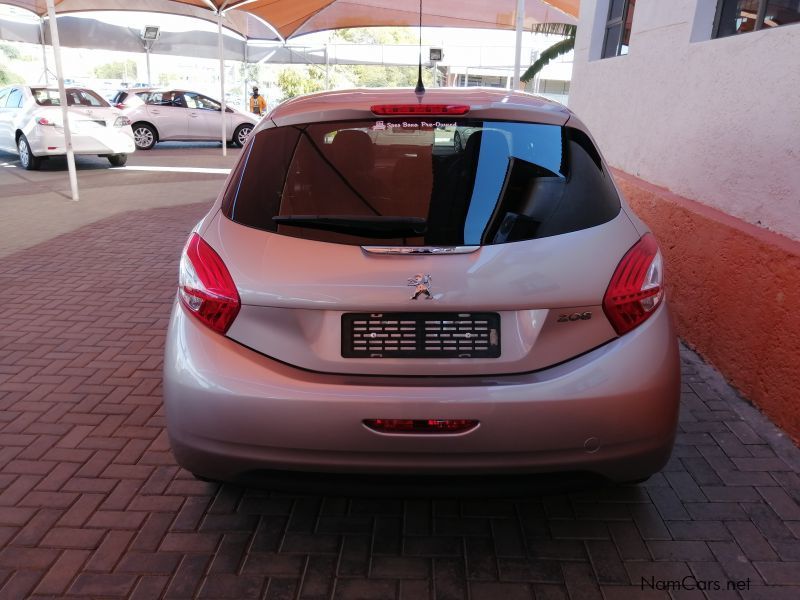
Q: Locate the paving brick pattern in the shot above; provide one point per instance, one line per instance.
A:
(93, 506)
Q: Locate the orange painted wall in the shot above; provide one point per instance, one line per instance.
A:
(734, 289)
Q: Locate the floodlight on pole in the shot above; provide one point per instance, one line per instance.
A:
(149, 35)
(435, 55)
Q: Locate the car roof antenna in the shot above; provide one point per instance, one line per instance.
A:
(420, 89)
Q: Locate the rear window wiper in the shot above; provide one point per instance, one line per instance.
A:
(372, 227)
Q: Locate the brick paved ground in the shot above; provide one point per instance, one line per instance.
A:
(92, 505)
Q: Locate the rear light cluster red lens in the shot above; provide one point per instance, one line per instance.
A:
(205, 286)
(399, 110)
(636, 288)
(421, 425)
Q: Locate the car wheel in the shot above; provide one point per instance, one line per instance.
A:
(26, 157)
(458, 143)
(118, 160)
(144, 136)
(241, 134)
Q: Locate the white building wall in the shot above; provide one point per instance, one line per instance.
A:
(715, 120)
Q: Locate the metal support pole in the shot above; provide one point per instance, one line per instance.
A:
(222, 106)
(246, 72)
(147, 52)
(327, 69)
(44, 51)
(518, 48)
(62, 94)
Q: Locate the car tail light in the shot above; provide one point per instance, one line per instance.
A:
(122, 122)
(636, 288)
(206, 287)
(119, 105)
(421, 425)
(419, 109)
(44, 121)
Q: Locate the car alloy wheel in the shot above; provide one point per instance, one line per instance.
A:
(26, 157)
(242, 133)
(24, 154)
(144, 137)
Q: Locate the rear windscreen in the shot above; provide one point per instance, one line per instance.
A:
(75, 97)
(419, 182)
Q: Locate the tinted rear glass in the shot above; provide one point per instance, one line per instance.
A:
(75, 97)
(464, 182)
(119, 97)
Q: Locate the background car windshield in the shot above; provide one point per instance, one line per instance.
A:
(75, 97)
(472, 182)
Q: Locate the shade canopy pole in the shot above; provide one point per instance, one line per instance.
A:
(44, 51)
(222, 106)
(518, 47)
(62, 94)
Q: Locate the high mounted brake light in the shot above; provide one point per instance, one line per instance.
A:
(400, 110)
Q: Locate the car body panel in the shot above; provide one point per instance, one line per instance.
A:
(610, 411)
(292, 310)
(171, 122)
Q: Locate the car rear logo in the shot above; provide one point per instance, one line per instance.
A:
(422, 285)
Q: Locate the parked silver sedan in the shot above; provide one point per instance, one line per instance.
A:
(358, 301)
(31, 124)
(161, 115)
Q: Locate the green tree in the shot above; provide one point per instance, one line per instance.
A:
(554, 51)
(379, 75)
(303, 80)
(8, 53)
(167, 79)
(117, 70)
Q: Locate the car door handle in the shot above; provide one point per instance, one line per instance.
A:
(194, 115)
(155, 112)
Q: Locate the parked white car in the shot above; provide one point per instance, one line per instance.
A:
(31, 124)
(178, 115)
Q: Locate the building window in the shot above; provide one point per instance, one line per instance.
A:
(741, 16)
(618, 27)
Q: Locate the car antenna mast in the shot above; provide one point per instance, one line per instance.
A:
(420, 89)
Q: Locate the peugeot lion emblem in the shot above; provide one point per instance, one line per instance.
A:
(422, 285)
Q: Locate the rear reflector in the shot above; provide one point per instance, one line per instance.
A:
(421, 425)
(205, 286)
(636, 288)
(419, 109)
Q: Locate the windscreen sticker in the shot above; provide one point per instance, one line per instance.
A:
(383, 125)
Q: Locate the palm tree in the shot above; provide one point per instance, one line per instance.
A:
(554, 51)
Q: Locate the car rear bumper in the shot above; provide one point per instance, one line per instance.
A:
(612, 411)
(49, 141)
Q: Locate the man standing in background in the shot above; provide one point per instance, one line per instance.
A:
(257, 103)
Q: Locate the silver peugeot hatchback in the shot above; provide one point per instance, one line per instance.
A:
(370, 295)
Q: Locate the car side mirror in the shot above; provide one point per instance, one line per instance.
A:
(228, 109)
